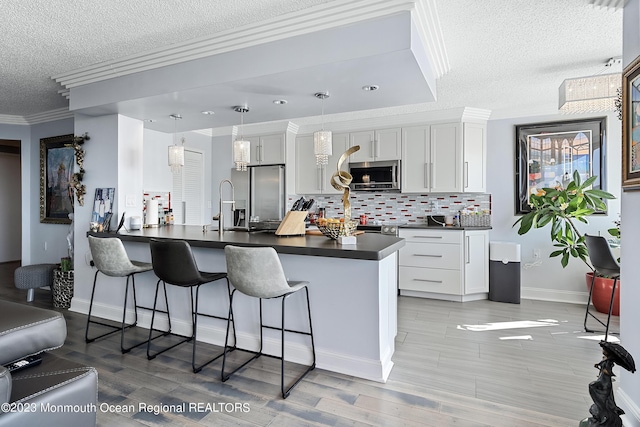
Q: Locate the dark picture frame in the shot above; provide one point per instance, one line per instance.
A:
(548, 153)
(56, 171)
(631, 126)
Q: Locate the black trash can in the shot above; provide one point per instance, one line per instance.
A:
(504, 272)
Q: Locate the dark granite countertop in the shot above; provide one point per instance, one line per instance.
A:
(439, 227)
(369, 246)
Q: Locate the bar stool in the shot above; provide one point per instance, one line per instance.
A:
(174, 264)
(604, 263)
(110, 258)
(257, 272)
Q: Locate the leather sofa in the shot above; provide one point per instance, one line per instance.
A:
(55, 392)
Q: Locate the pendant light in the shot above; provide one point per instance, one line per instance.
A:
(176, 152)
(241, 147)
(322, 138)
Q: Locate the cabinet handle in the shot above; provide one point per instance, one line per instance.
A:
(467, 255)
(429, 256)
(258, 153)
(466, 174)
(426, 175)
(428, 237)
(427, 280)
(373, 148)
(376, 144)
(431, 182)
(261, 152)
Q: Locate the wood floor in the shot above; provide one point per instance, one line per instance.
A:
(456, 364)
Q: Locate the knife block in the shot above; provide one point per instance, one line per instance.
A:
(292, 224)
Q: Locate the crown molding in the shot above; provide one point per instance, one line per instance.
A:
(608, 4)
(34, 119)
(320, 17)
(395, 117)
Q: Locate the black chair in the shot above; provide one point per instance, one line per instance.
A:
(174, 264)
(605, 264)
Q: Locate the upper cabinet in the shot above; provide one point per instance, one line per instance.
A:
(267, 150)
(382, 144)
(444, 158)
(474, 150)
(311, 178)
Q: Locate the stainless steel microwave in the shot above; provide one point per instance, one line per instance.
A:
(375, 176)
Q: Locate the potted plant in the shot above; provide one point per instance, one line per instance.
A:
(562, 207)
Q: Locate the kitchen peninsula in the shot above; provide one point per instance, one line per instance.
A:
(353, 291)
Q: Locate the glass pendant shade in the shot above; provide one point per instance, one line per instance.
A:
(176, 158)
(176, 152)
(322, 146)
(590, 94)
(241, 154)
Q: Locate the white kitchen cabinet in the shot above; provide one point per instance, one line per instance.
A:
(476, 264)
(432, 158)
(474, 151)
(311, 179)
(267, 149)
(444, 158)
(375, 145)
(444, 264)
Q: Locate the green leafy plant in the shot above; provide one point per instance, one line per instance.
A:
(561, 208)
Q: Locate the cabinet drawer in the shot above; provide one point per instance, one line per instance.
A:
(431, 236)
(431, 255)
(430, 280)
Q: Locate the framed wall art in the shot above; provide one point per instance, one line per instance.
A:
(56, 171)
(631, 126)
(547, 154)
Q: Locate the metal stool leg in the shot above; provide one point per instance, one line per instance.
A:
(285, 393)
(196, 313)
(589, 313)
(613, 294)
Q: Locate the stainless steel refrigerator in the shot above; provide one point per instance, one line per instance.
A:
(260, 197)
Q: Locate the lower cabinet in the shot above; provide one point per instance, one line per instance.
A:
(444, 264)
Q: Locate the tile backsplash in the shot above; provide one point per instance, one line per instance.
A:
(411, 208)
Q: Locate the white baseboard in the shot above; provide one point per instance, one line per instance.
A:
(631, 418)
(554, 295)
(374, 370)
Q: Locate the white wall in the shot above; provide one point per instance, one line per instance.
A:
(10, 208)
(101, 165)
(628, 396)
(157, 174)
(548, 281)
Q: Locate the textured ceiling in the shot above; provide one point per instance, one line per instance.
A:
(42, 38)
(508, 56)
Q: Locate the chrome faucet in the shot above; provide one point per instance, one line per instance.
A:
(232, 202)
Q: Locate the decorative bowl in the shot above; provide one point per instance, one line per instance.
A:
(333, 230)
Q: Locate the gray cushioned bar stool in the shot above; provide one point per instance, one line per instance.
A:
(110, 258)
(257, 272)
(604, 264)
(174, 264)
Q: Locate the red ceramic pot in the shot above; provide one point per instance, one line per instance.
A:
(601, 296)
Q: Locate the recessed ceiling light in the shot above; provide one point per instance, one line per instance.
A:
(208, 112)
(370, 88)
(280, 101)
